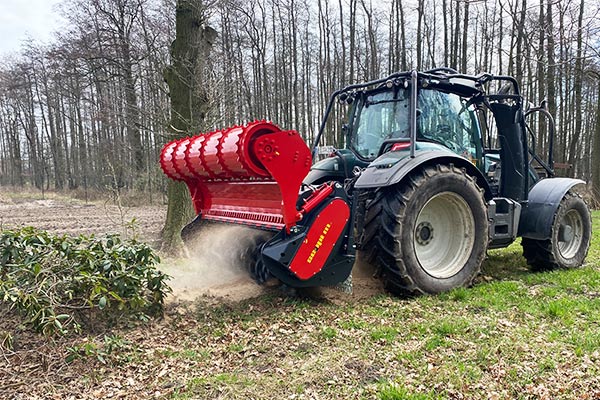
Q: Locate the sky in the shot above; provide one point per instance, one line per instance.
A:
(20, 19)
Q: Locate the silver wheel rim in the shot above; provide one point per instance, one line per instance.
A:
(570, 234)
(444, 235)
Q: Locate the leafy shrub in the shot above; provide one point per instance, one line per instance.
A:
(58, 282)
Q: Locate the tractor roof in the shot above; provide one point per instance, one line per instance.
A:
(445, 79)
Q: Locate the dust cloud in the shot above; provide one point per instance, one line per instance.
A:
(217, 266)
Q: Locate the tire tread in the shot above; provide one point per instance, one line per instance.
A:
(386, 213)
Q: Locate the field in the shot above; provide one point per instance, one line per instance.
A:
(515, 334)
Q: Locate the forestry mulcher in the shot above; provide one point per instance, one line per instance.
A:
(435, 168)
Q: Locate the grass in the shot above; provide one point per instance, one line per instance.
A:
(394, 392)
(514, 334)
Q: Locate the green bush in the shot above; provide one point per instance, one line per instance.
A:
(62, 282)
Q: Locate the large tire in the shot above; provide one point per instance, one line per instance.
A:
(429, 233)
(570, 240)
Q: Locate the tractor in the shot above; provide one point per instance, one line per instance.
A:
(429, 171)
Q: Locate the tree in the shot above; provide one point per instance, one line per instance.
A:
(189, 103)
(577, 89)
(596, 148)
(90, 108)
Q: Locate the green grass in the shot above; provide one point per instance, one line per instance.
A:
(393, 392)
(384, 333)
(329, 333)
(186, 354)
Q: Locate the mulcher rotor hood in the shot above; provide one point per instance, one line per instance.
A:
(252, 175)
(247, 175)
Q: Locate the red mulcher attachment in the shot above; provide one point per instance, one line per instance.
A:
(246, 174)
(252, 175)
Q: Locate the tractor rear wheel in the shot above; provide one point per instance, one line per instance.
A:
(431, 233)
(570, 240)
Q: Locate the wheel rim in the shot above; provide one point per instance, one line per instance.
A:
(570, 234)
(444, 235)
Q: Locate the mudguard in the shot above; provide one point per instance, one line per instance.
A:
(325, 170)
(544, 198)
(391, 167)
(334, 168)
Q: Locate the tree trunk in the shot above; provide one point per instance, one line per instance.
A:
(132, 112)
(189, 104)
(446, 42)
(596, 151)
(520, 39)
(577, 91)
(464, 39)
(419, 33)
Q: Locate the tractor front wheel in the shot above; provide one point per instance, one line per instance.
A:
(570, 240)
(432, 231)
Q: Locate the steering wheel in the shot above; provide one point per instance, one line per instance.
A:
(370, 136)
(446, 137)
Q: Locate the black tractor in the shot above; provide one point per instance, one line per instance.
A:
(429, 171)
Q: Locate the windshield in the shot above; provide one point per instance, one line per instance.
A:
(379, 116)
(443, 118)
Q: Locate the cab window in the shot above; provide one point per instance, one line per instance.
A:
(379, 116)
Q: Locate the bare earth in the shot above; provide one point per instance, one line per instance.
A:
(72, 217)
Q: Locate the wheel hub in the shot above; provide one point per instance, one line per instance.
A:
(444, 253)
(424, 233)
(570, 234)
(565, 233)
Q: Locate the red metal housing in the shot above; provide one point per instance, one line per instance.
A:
(245, 174)
(320, 240)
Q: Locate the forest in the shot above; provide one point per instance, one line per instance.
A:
(90, 109)
(100, 299)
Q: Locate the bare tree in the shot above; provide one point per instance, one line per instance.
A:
(189, 50)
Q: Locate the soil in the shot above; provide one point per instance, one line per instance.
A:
(73, 217)
(213, 270)
(338, 346)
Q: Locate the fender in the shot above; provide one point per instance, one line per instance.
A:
(544, 198)
(392, 167)
(335, 168)
(325, 170)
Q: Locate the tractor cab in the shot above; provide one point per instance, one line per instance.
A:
(380, 121)
(440, 111)
(443, 118)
